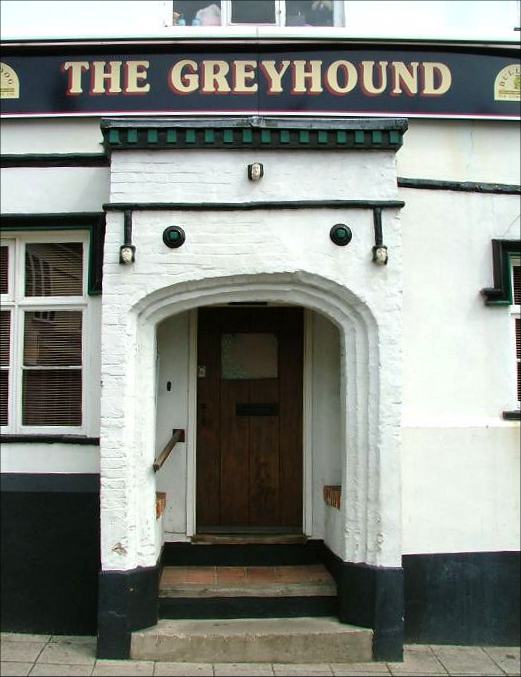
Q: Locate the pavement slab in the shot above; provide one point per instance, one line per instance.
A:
(60, 669)
(23, 637)
(20, 651)
(122, 668)
(508, 658)
(13, 668)
(233, 669)
(183, 669)
(466, 660)
(301, 669)
(72, 653)
(345, 669)
(418, 660)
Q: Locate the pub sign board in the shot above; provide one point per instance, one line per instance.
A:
(291, 80)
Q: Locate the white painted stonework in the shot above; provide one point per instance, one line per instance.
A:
(264, 255)
(459, 459)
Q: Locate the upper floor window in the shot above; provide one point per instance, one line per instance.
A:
(260, 13)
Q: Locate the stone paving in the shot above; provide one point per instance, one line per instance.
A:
(48, 655)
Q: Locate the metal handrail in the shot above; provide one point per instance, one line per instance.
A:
(178, 435)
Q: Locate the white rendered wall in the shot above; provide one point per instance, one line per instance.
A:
(53, 190)
(460, 458)
(456, 150)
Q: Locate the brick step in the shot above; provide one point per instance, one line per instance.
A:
(246, 592)
(274, 640)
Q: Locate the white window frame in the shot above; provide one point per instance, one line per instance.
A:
(515, 313)
(339, 18)
(19, 304)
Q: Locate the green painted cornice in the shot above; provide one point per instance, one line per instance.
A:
(253, 132)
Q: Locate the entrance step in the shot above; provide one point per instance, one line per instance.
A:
(274, 640)
(246, 592)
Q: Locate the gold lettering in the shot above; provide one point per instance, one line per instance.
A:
(301, 74)
(135, 72)
(273, 75)
(214, 77)
(75, 70)
(350, 77)
(113, 76)
(242, 72)
(183, 77)
(368, 85)
(430, 71)
(403, 77)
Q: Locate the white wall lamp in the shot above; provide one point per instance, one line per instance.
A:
(255, 171)
(127, 251)
(380, 254)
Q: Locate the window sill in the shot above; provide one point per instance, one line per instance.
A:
(49, 439)
(512, 415)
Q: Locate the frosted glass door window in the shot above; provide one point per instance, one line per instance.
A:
(249, 356)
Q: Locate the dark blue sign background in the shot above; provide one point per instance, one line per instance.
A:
(43, 85)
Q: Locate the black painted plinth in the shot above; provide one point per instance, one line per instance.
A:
(50, 553)
(128, 601)
(463, 598)
(371, 597)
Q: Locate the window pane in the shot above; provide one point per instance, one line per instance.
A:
(51, 397)
(4, 270)
(197, 13)
(54, 269)
(4, 390)
(516, 280)
(52, 338)
(258, 12)
(5, 338)
(249, 356)
(309, 13)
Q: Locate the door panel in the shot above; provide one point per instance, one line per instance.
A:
(249, 428)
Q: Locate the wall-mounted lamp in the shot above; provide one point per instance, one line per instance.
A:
(380, 254)
(255, 171)
(341, 234)
(127, 251)
(127, 254)
(174, 236)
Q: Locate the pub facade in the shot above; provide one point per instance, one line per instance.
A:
(260, 308)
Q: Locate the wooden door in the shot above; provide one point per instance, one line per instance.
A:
(249, 420)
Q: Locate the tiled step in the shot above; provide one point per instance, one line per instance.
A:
(288, 640)
(246, 592)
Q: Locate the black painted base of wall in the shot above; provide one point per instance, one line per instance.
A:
(128, 601)
(50, 555)
(463, 598)
(371, 597)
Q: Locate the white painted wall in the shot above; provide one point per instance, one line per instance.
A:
(460, 464)
(360, 296)
(49, 458)
(172, 412)
(452, 425)
(457, 150)
(41, 190)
